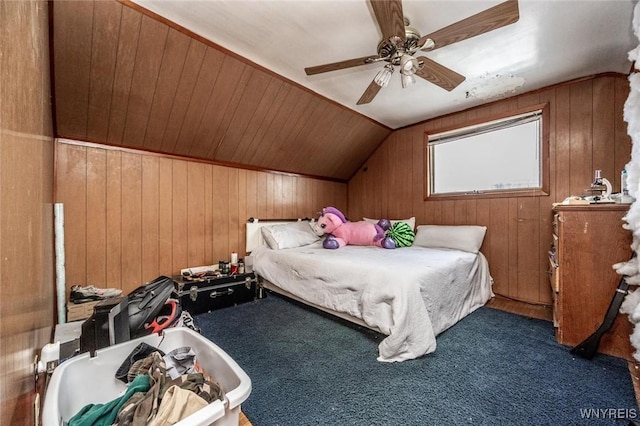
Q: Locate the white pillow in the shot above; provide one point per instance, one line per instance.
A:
(289, 235)
(411, 221)
(460, 237)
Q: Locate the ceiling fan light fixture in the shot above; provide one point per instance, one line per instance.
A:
(428, 45)
(408, 65)
(384, 76)
(407, 80)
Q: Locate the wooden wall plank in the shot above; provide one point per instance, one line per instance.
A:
(208, 214)
(254, 127)
(604, 130)
(234, 108)
(103, 63)
(195, 218)
(269, 143)
(258, 142)
(71, 170)
(562, 178)
(241, 216)
(251, 192)
(174, 59)
(184, 92)
(180, 220)
(165, 217)
(200, 96)
(581, 137)
(150, 218)
(293, 136)
(528, 249)
(512, 244)
(72, 30)
(262, 197)
(622, 141)
(131, 222)
(114, 243)
(313, 143)
(233, 221)
(97, 211)
(232, 139)
(149, 56)
(127, 47)
(349, 141)
(220, 216)
(220, 106)
(499, 249)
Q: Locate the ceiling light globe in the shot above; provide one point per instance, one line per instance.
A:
(384, 76)
(407, 80)
(408, 64)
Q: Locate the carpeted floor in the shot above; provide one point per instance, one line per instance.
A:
(491, 368)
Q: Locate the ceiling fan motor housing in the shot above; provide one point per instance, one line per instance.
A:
(393, 48)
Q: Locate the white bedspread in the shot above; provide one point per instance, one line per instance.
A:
(410, 294)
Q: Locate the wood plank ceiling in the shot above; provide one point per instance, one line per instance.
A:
(126, 78)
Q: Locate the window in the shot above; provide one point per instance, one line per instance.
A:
(502, 157)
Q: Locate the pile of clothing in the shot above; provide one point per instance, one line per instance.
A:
(162, 389)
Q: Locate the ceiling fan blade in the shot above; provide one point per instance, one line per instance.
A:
(498, 16)
(369, 94)
(439, 74)
(390, 18)
(341, 65)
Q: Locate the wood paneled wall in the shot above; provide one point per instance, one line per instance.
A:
(131, 216)
(27, 296)
(587, 133)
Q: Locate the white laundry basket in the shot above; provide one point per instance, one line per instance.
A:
(84, 380)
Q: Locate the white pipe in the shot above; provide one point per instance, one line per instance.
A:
(58, 212)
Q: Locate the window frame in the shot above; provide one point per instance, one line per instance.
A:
(543, 190)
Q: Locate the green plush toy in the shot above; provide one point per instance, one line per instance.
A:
(401, 233)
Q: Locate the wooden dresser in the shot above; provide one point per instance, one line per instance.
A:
(587, 241)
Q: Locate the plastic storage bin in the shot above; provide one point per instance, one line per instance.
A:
(84, 380)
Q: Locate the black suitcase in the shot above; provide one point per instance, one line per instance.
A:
(199, 295)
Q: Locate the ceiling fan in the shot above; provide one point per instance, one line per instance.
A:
(400, 41)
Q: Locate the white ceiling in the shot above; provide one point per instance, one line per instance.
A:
(554, 41)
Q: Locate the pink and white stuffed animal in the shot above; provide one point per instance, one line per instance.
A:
(341, 232)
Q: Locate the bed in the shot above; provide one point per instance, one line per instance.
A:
(409, 294)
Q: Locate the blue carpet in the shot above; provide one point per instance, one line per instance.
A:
(492, 368)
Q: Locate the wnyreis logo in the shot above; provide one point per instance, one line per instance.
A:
(608, 413)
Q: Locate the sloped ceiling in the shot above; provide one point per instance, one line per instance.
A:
(223, 80)
(123, 78)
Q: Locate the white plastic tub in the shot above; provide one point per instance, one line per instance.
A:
(84, 380)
